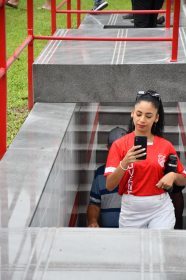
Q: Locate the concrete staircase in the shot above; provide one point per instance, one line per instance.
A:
(87, 71)
(110, 116)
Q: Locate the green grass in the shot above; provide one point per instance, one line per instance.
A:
(16, 32)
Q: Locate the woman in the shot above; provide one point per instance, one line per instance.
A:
(142, 183)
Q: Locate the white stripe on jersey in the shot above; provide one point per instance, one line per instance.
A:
(110, 169)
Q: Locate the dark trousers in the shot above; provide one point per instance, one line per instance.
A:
(178, 202)
(146, 20)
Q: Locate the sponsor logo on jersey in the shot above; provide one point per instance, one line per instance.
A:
(161, 160)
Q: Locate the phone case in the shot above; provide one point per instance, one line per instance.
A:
(141, 140)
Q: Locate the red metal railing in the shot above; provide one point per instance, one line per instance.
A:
(167, 11)
(29, 41)
(5, 64)
(3, 96)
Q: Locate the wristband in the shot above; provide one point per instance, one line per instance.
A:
(124, 169)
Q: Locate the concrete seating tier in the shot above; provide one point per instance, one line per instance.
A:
(90, 71)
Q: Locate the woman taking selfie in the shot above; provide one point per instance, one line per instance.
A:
(139, 171)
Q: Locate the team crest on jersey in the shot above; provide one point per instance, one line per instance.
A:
(161, 160)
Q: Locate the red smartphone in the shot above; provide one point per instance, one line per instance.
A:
(141, 140)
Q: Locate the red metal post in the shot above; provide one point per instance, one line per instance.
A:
(175, 30)
(168, 13)
(69, 16)
(30, 53)
(3, 88)
(53, 16)
(78, 15)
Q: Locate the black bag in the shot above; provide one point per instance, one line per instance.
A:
(171, 166)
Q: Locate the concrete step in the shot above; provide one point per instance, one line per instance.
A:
(109, 71)
(83, 197)
(114, 115)
(171, 133)
(81, 153)
(82, 133)
(83, 200)
(130, 104)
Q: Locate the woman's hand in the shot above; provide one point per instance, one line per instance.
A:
(167, 181)
(133, 155)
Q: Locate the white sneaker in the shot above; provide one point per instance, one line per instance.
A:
(100, 6)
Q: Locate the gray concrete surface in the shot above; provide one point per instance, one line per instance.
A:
(64, 72)
(25, 168)
(105, 71)
(63, 253)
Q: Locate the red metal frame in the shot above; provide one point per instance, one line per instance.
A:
(78, 15)
(132, 39)
(30, 23)
(168, 13)
(3, 106)
(53, 16)
(110, 11)
(29, 41)
(53, 13)
(175, 31)
(69, 15)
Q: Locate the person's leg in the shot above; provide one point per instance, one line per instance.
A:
(178, 202)
(164, 217)
(141, 20)
(132, 214)
(155, 212)
(129, 16)
(156, 5)
(161, 17)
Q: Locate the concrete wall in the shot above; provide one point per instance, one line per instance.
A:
(58, 205)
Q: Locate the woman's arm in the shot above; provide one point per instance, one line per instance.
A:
(114, 179)
(167, 181)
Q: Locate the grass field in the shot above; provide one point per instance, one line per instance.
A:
(16, 32)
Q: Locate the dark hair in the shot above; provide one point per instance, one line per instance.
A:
(153, 97)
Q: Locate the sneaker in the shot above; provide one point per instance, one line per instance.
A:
(12, 5)
(161, 20)
(128, 16)
(102, 5)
